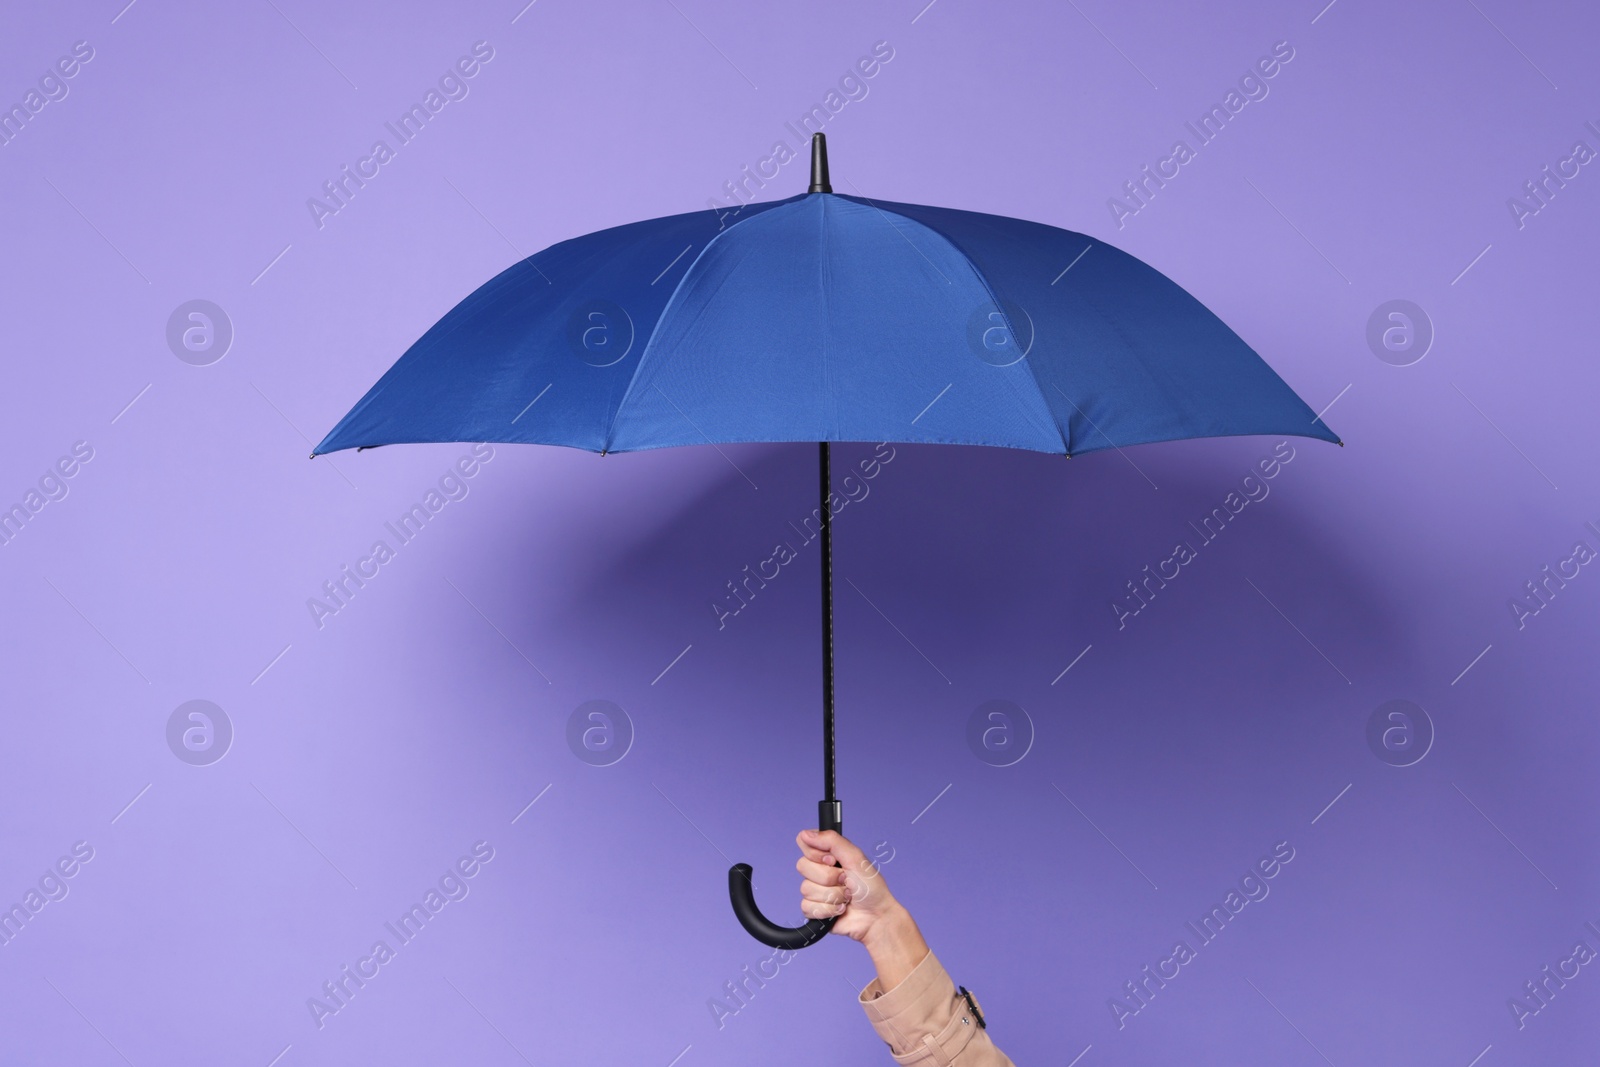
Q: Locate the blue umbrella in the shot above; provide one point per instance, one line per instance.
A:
(826, 317)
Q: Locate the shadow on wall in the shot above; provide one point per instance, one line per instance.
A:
(964, 575)
(974, 564)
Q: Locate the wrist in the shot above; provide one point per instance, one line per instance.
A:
(895, 945)
(887, 928)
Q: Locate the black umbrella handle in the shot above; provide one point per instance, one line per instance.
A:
(829, 813)
(758, 925)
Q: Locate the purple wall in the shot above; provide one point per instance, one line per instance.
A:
(1436, 869)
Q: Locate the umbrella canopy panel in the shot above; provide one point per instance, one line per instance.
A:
(826, 317)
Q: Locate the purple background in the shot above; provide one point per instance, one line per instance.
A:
(372, 752)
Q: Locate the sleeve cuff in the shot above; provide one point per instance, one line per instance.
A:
(923, 1019)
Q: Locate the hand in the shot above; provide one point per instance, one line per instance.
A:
(854, 891)
(866, 911)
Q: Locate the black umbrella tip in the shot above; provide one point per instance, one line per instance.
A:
(819, 164)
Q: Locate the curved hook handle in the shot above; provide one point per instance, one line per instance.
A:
(757, 925)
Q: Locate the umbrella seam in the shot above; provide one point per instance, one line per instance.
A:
(667, 308)
(994, 298)
(1112, 323)
(822, 287)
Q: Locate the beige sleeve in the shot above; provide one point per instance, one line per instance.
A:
(925, 1021)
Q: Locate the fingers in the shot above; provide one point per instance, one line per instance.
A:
(825, 874)
(829, 862)
(810, 850)
(812, 909)
(833, 846)
(822, 894)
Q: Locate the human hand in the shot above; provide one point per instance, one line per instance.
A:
(853, 892)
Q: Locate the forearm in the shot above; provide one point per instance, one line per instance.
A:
(896, 946)
(914, 1006)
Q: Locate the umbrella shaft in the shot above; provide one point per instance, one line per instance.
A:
(829, 796)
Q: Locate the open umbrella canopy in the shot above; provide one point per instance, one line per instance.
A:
(826, 317)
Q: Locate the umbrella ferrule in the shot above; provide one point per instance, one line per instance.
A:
(819, 164)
